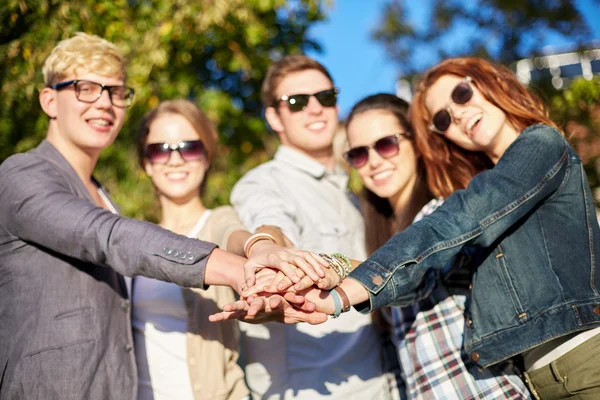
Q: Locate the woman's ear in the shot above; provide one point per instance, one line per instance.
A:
(273, 119)
(48, 102)
(148, 168)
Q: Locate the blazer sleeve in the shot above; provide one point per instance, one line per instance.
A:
(38, 206)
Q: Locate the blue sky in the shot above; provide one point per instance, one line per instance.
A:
(360, 66)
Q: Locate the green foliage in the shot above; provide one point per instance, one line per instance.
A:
(214, 52)
(577, 109)
(503, 31)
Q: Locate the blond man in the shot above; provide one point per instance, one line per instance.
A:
(64, 304)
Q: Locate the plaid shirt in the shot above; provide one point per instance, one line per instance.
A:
(429, 336)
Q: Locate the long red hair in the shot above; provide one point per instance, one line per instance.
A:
(450, 167)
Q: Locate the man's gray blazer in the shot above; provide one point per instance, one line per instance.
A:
(65, 330)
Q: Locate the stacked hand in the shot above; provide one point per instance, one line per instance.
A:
(295, 288)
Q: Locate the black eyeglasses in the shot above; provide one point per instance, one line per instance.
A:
(386, 147)
(90, 92)
(461, 94)
(190, 150)
(298, 102)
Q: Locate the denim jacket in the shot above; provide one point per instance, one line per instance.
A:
(532, 220)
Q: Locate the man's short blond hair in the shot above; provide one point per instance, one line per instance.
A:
(83, 54)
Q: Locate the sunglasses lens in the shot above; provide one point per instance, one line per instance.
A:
(327, 98)
(298, 102)
(192, 150)
(387, 147)
(158, 153)
(442, 120)
(357, 157)
(462, 93)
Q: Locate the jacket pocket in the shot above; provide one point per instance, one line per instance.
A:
(61, 372)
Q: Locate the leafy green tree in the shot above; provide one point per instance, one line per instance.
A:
(504, 31)
(214, 52)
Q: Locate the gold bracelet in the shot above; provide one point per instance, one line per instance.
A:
(348, 265)
(336, 265)
(255, 238)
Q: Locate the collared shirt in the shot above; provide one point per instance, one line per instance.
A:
(342, 357)
(429, 336)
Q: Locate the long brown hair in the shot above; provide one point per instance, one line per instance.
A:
(449, 167)
(380, 221)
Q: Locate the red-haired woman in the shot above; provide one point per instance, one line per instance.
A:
(528, 224)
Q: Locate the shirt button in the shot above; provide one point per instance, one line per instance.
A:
(190, 256)
(128, 347)
(470, 286)
(125, 305)
(475, 356)
(469, 322)
(596, 310)
(378, 280)
(192, 361)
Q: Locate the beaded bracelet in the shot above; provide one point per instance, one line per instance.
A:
(335, 264)
(339, 263)
(348, 264)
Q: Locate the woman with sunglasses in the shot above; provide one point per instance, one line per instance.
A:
(394, 195)
(527, 223)
(179, 354)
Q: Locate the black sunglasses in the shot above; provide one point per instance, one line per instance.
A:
(461, 94)
(386, 147)
(298, 102)
(190, 150)
(90, 92)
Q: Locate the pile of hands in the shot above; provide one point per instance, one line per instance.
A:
(284, 285)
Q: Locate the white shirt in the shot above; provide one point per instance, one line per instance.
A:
(159, 319)
(342, 357)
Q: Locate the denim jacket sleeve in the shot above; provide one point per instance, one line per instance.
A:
(531, 170)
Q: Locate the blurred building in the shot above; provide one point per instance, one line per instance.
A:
(556, 65)
(559, 67)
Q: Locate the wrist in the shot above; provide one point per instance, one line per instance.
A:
(261, 246)
(254, 239)
(224, 269)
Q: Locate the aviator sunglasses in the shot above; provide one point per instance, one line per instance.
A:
(298, 102)
(461, 94)
(190, 150)
(386, 147)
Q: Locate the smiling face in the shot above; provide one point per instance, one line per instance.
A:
(390, 178)
(311, 130)
(178, 180)
(75, 125)
(477, 125)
